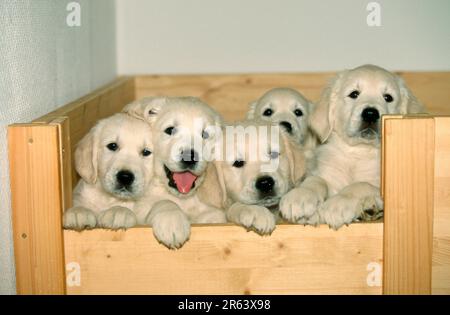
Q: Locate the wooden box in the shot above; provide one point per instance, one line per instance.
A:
(408, 253)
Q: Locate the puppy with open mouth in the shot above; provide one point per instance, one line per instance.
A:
(115, 163)
(260, 164)
(184, 128)
(344, 186)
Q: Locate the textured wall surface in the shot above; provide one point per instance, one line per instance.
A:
(170, 36)
(45, 64)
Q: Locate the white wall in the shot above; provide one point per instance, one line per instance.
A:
(173, 36)
(45, 64)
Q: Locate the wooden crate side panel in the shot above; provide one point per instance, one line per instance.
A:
(408, 201)
(226, 259)
(441, 225)
(34, 155)
(231, 94)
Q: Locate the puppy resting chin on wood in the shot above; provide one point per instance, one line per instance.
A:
(256, 171)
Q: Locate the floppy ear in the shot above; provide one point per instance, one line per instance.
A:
(251, 111)
(409, 103)
(213, 191)
(146, 108)
(323, 117)
(86, 155)
(295, 157)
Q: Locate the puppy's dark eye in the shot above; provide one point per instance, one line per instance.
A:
(205, 134)
(354, 94)
(170, 131)
(112, 146)
(274, 155)
(146, 152)
(388, 98)
(239, 163)
(298, 112)
(268, 112)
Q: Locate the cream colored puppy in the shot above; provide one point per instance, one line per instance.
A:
(259, 166)
(286, 107)
(184, 128)
(115, 163)
(291, 110)
(348, 120)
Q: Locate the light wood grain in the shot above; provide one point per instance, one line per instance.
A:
(228, 260)
(37, 207)
(231, 94)
(408, 202)
(441, 225)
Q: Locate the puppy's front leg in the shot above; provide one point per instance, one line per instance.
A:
(300, 205)
(356, 201)
(116, 218)
(171, 226)
(252, 217)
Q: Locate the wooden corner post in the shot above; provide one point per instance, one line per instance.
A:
(37, 157)
(408, 179)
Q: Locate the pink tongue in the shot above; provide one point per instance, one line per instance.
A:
(184, 181)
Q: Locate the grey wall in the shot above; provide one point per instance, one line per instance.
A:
(45, 64)
(195, 36)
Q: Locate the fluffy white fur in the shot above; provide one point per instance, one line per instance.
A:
(99, 199)
(344, 185)
(169, 211)
(245, 205)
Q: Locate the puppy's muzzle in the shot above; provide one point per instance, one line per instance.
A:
(189, 158)
(287, 126)
(265, 185)
(370, 115)
(125, 179)
(370, 126)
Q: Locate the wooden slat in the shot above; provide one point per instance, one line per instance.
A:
(441, 225)
(408, 201)
(65, 157)
(37, 206)
(228, 260)
(231, 94)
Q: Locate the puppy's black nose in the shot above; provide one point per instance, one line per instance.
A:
(125, 178)
(370, 115)
(286, 125)
(189, 157)
(265, 184)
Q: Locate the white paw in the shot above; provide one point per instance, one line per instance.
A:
(372, 208)
(339, 210)
(116, 218)
(257, 218)
(79, 218)
(171, 228)
(300, 206)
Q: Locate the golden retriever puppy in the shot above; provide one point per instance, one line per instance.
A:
(115, 163)
(184, 128)
(291, 110)
(286, 107)
(344, 186)
(260, 164)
